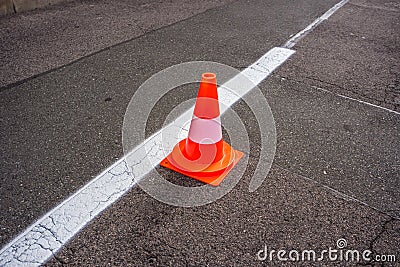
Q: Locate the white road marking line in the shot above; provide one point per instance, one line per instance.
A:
(300, 35)
(296, 38)
(46, 236)
(357, 100)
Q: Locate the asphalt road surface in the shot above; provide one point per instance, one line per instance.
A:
(68, 73)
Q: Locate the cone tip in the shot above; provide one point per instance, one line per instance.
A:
(209, 77)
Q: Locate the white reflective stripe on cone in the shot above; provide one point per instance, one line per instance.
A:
(205, 131)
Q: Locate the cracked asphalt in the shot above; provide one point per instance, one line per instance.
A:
(336, 169)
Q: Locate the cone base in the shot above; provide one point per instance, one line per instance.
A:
(205, 176)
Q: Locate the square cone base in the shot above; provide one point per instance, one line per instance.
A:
(213, 180)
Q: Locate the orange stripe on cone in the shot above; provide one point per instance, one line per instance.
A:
(204, 155)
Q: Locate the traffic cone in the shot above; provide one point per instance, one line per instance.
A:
(204, 155)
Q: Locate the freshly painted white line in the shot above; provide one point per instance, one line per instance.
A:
(293, 41)
(46, 236)
(357, 100)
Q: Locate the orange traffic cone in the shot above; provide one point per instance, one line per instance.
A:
(204, 155)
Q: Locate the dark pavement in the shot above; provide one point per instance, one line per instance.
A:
(59, 129)
(356, 54)
(336, 170)
(39, 41)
